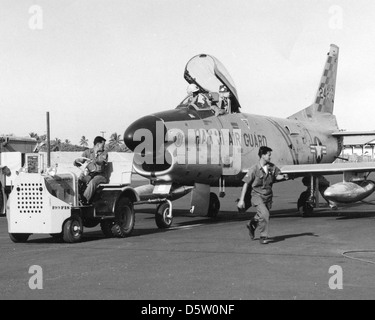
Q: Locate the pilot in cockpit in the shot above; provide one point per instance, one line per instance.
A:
(224, 99)
(196, 98)
(216, 105)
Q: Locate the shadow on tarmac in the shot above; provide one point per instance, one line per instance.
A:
(224, 216)
(288, 236)
(355, 215)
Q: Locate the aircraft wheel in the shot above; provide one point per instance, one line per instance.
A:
(303, 205)
(214, 206)
(124, 218)
(106, 226)
(1, 201)
(163, 216)
(73, 230)
(306, 210)
(19, 237)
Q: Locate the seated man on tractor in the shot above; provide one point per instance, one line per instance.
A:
(93, 164)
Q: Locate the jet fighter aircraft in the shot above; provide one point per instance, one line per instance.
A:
(193, 147)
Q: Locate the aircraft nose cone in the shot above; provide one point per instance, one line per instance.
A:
(146, 128)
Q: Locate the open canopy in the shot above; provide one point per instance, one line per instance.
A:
(209, 74)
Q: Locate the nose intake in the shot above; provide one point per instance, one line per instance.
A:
(148, 128)
(148, 134)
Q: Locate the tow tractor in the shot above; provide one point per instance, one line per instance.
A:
(47, 202)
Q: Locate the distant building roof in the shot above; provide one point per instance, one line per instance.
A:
(359, 140)
(20, 144)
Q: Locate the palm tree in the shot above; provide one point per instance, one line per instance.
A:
(84, 142)
(67, 141)
(34, 135)
(115, 141)
(41, 141)
(56, 145)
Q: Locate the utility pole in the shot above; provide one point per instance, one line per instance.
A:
(103, 132)
(48, 142)
(1, 147)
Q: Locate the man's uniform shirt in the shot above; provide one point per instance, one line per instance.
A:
(261, 182)
(99, 161)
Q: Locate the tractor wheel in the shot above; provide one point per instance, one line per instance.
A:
(73, 230)
(106, 226)
(19, 237)
(163, 216)
(214, 206)
(124, 218)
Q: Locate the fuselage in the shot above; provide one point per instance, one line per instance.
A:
(197, 144)
(191, 146)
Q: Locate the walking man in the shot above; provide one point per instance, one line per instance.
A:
(260, 179)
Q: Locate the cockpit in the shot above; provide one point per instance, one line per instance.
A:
(210, 86)
(199, 102)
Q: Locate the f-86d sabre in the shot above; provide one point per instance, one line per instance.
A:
(207, 141)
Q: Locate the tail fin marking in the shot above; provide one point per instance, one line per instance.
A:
(325, 96)
(324, 100)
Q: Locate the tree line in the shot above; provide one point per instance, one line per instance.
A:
(115, 143)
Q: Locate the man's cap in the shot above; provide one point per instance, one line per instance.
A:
(99, 139)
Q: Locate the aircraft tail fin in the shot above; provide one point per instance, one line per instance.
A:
(324, 98)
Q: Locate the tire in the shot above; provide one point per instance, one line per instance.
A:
(307, 210)
(106, 226)
(214, 206)
(1, 200)
(73, 230)
(19, 237)
(163, 218)
(124, 218)
(303, 206)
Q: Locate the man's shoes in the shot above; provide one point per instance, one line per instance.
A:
(263, 240)
(252, 225)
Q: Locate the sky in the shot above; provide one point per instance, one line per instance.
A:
(98, 65)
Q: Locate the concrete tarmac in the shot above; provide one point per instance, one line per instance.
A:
(204, 259)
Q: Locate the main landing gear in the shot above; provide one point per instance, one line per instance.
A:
(308, 199)
(305, 204)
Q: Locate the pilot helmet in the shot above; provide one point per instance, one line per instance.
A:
(192, 88)
(223, 88)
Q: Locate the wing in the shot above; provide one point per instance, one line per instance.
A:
(327, 168)
(353, 188)
(353, 133)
